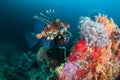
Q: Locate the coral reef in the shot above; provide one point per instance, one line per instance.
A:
(35, 66)
(96, 54)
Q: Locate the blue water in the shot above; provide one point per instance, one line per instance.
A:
(16, 16)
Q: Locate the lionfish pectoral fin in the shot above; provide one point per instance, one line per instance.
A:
(50, 16)
(42, 18)
(31, 39)
(53, 15)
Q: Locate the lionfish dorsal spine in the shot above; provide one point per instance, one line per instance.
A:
(42, 18)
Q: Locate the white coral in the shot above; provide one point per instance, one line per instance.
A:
(93, 32)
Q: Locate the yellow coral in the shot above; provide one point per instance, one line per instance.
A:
(110, 72)
(59, 69)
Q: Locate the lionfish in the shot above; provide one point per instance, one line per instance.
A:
(53, 25)
(54, 28)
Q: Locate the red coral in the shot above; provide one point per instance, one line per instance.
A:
(118, 53)
(72, 57)
(91, 65)
(80, 46)
(81, 72)
(95, 53)
(82, 57)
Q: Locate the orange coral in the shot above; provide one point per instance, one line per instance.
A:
(109, 24)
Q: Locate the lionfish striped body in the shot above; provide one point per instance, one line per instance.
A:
(53, 25)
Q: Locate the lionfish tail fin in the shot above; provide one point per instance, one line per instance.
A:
(31, 39)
